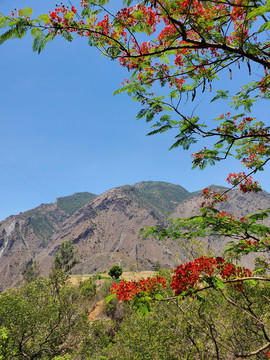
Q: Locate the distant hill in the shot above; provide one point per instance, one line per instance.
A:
(215, 188)
(164, 196)
(70, 204)
(45, 219)
(105, 228)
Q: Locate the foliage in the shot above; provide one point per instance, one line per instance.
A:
(32, 272)
(65, 259)
(38, 321)
(115, 271)
(104, 290)
(44, 221)
(42, 227)
(182, 47)
(96, 276)
(248, 233)
(218, 324)
(88, 288)
(166, 197)
(100, 337)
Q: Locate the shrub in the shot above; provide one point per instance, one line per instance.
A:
(115, 272)
(88, 288)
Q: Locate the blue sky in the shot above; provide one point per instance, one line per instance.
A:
(63, 131)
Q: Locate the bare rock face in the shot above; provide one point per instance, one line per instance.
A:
(105, 229)
(238, 204)
(23, 237)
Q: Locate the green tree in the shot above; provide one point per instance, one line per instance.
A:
(38, 322)
(223, 324)
(115, 271)
(88, 288)
(64, 260)
(31, 272)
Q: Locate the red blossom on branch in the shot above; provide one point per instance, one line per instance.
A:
(126, 290)
(246, 184)
(189, 276)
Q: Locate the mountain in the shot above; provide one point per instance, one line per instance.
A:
(238, 204)
(23, 236)
(164, 196)
(70, 204)
(105, 228)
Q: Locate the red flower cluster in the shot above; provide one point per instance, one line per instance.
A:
(126, 16)
(223, 214)
(229, 271)
(264, 84)
(212, 198)
(62, 15)
(251, 243)
(246, 184)
(189, 275)
(127, 289)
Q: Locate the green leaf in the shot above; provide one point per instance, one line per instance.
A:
(174, 94)
(252, 281)
(265, 27)
(69, 15)
(149, 115)
(44, 18)
(198, 297)
(27, 12)
(36, 33)
(10, 34)
(162, 129)
(258, 270)
(218, 283)
(66, 35)
(141, 113)
(142, 309)
(4, 21)
(164, 59)
(110, 297)
(39, 43)
(159, 297)
(50, 36)
(184, 293)
(221, 95)
(257, 12)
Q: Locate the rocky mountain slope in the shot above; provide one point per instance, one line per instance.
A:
(105, 228)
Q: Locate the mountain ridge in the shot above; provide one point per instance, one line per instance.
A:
(104, 228)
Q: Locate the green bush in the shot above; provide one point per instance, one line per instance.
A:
(88, 288)
(96, 276)
(116, 271)
(41, 321)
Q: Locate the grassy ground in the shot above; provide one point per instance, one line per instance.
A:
(127, 275)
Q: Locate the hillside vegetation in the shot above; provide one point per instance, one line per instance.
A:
(76, 323)
(164, 196)
(70, 204)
